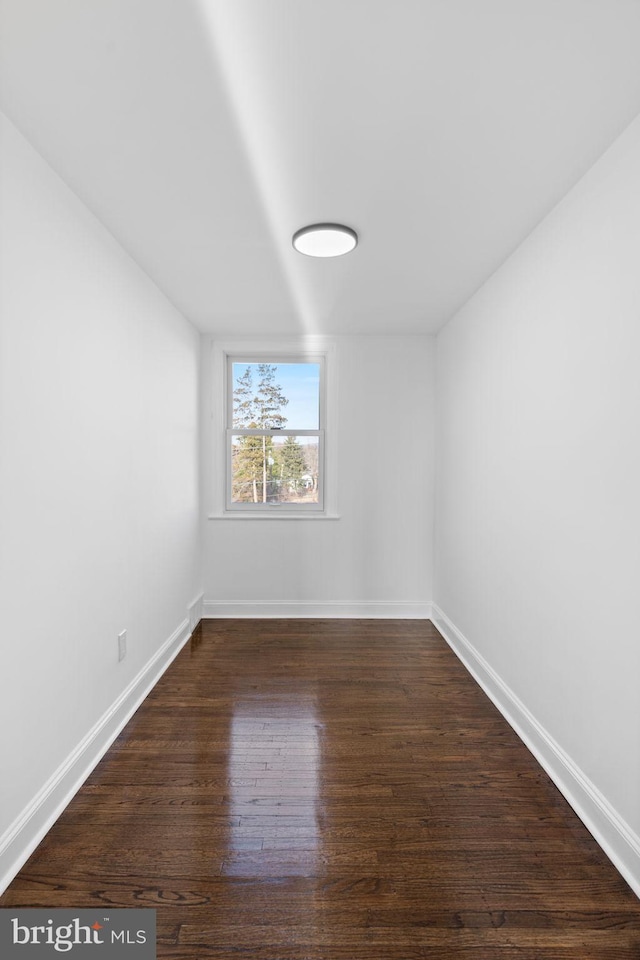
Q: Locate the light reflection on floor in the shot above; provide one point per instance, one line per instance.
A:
(274, 788)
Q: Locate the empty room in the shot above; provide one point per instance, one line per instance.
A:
(319, 479)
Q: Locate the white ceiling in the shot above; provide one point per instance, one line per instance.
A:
(203, 133)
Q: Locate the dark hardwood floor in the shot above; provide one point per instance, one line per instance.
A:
(332, 790)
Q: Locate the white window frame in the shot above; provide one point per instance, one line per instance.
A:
(303, 350)
(231, 431)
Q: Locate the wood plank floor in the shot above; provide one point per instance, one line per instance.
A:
(332, 790)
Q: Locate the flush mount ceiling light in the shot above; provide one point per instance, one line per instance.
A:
(325, 240)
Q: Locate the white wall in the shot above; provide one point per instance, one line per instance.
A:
(375, 559)
(98, 473)
(538, 481)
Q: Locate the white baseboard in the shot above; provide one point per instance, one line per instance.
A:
(612, 833)
(194, 611)
(23, 836)
(368, 610)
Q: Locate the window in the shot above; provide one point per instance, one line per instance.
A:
(275, 433)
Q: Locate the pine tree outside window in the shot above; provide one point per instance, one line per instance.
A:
(275, 434)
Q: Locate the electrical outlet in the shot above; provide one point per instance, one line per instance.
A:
(122, 645)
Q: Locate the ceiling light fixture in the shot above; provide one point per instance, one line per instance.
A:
(325, 240)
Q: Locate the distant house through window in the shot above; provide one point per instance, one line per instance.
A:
(275, 434)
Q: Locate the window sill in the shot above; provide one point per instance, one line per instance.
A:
(272, 515)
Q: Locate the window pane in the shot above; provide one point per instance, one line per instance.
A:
(276, 395)
(274, 469)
